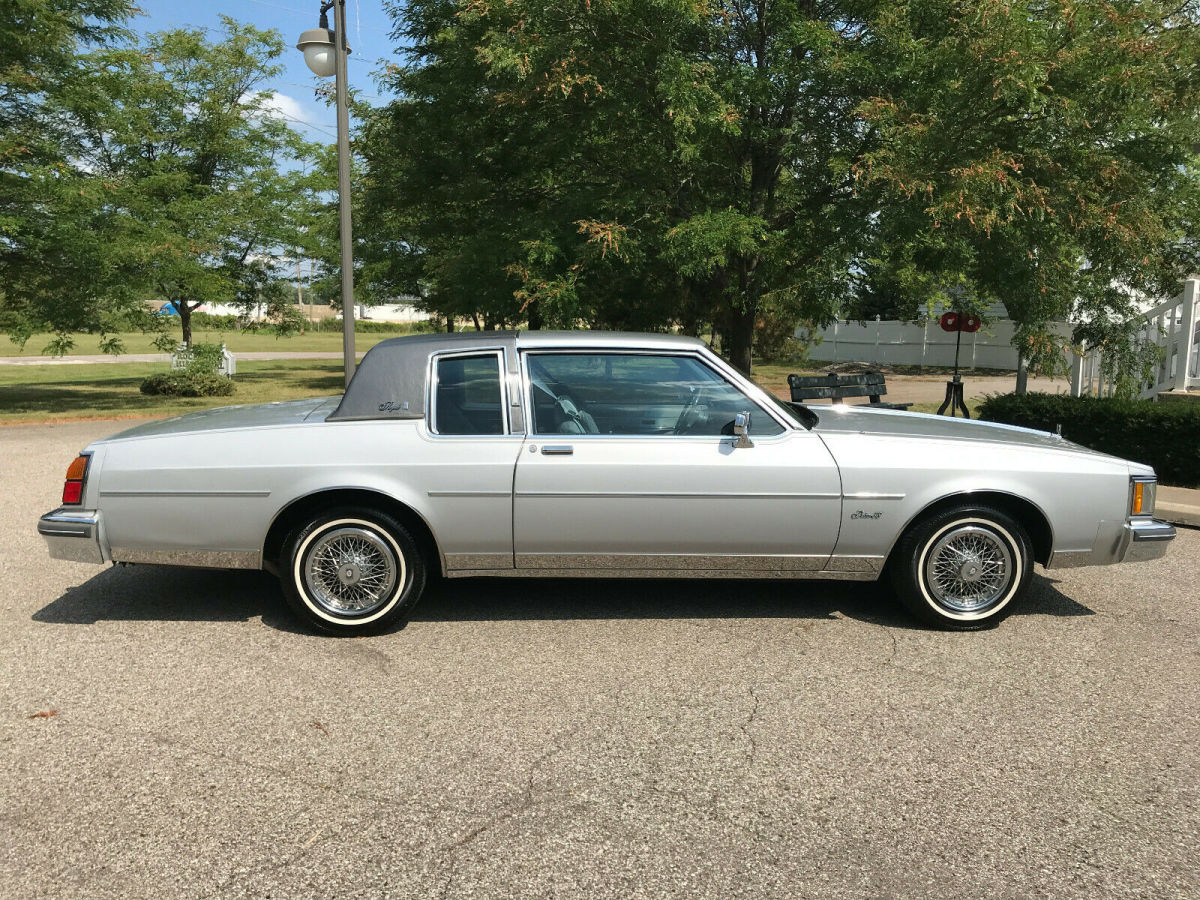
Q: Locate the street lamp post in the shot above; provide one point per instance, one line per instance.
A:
(325, 54)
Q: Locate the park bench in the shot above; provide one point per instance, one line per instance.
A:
(836, 388)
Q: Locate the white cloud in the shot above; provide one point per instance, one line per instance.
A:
(283, 106)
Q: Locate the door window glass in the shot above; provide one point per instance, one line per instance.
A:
(468, 397)
(631, 394)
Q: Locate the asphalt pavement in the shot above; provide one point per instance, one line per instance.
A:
(172, 733)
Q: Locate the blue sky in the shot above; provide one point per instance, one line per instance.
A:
(367, 26)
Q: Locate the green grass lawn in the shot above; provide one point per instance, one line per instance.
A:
(236, 341)
(110, 390)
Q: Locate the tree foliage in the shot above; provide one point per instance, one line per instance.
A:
(1040, 154)
(175, 182)
(658, 163)
(46, 224)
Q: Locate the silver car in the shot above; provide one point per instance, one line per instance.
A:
(586, 454)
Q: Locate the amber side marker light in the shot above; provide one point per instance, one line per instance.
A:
(72, 494)
(1139, 493)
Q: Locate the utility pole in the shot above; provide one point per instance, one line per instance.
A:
(316, 44)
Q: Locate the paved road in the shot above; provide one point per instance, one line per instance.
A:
(616, 739)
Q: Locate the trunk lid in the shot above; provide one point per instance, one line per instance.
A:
(287, 412)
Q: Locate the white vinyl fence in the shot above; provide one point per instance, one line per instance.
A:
(916, 344)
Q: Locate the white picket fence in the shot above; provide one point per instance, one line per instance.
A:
(1173, 326)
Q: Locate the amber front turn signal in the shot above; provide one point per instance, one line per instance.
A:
(1141, 497)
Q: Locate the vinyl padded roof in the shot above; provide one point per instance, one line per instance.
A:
(390, 381)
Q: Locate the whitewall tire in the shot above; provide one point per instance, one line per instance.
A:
(962, 568)
(351, 571)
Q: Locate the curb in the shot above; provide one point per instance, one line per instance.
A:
(1178, 514)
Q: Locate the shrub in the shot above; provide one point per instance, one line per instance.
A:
(200, 378)
(188, 383)
(202, 321)
(373, 326)
(1163, 435)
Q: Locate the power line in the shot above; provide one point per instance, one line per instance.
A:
(321, 128)
(291, 9)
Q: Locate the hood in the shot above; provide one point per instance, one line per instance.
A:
(288, 412)
(862, 419)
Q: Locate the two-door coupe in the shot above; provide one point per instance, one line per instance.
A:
(585, 454)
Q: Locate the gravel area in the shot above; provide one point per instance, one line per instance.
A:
(171, 733)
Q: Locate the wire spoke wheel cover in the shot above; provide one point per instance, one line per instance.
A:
(961, 567)
(969, 568)
(351, 570)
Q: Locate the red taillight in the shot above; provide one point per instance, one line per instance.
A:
(73, 487)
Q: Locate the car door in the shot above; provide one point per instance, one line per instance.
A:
(629, 464)
(477, 435)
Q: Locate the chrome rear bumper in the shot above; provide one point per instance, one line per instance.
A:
(1146, 539)
(72, 534)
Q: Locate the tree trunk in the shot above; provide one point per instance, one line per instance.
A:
(185, 320)
(449, 324)
(740, 339)
(535, 316)
(475, 319)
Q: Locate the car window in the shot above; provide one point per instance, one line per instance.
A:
(468, 397)
(636, 394)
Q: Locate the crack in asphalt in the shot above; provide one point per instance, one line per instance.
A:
(268, 867)
(302, 851)
(745, 726)
(332, 789)
(522, 804)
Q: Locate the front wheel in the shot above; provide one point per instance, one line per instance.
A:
(352, 571)
(961, 568)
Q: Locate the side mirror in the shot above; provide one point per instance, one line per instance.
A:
(741, 430)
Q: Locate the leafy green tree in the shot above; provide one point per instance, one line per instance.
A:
(48, 236)
(684, 163)
(197, 171)
(1036, 153)
(178, 182)
(627, 164)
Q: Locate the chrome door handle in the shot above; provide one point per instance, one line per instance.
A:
(557, 450)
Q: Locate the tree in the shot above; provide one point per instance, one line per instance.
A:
(196, 166)
(1036, 153)
(184, 178)
(688, 164)
(621, 163)
(47, 229)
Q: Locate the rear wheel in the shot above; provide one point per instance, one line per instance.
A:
(961, 568)
(351, 571)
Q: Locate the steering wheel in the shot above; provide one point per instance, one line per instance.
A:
(692, 413)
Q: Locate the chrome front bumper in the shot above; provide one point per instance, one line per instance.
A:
(1145, 539)
(72, 534)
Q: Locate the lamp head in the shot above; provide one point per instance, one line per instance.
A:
(319, 56)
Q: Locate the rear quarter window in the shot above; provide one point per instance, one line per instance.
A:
(468, 398)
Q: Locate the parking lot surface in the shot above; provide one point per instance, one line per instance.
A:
(171, 733)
